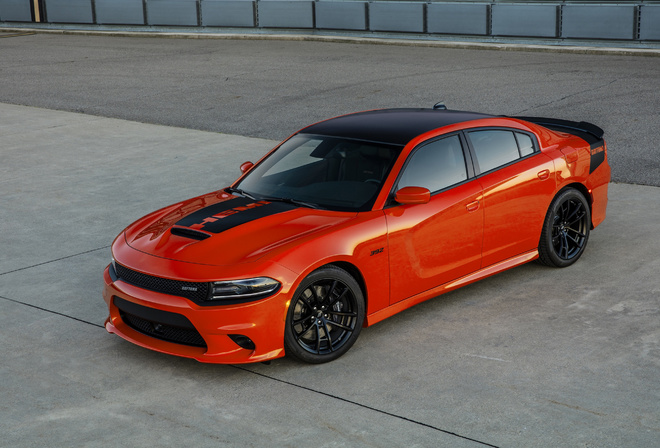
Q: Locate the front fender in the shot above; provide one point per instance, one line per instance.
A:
(361, 242)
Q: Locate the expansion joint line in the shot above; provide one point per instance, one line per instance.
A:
(50, 311)
(53, 261)
(380, 411)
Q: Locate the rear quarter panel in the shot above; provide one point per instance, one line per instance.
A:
(572, 158)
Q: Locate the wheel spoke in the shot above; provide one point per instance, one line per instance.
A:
(575, 240)
(301, 335)
(579, 218)
(339, 313)
(577, 209)
(580, 234)
(318, 341)
(302, 320)
(331, 290)
(327, 335)
(304, 301)
(563, 248)
(317, 299)
(342, 326)
(339, 297)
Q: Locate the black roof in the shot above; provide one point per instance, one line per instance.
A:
(394, 126)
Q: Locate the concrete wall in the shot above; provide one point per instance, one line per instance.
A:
(587, 19)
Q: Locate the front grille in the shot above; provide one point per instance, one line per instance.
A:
(195, 291)
(171, 327)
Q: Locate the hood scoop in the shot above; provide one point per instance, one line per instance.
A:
(189, 233)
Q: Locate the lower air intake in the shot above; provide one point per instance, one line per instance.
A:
(159, 324)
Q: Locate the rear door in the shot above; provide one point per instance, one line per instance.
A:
(518, 184)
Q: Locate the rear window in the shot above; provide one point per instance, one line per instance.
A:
(494, 147)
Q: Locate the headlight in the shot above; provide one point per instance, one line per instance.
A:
(254, 288)
(113, 269)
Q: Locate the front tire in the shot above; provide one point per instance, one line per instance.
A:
(325, 316)
(565, 229)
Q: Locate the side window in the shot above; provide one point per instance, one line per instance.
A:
(435, 165)
(494, 148)
(525, 144)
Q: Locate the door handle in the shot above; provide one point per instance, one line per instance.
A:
(472, 206)
(543, 175)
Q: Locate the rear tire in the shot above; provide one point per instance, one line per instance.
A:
(565, 229)
(325, 316)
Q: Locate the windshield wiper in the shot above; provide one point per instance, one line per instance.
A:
(241, 193)
(291, 201)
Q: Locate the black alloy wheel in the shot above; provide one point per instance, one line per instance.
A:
(325, 316)
(565, 230)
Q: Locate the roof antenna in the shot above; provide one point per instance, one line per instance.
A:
(440, 106)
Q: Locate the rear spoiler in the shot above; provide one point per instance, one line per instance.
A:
(586, 131)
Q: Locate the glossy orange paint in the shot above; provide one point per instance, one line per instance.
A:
(413, 195)
(431, 244)
(515, 202)
(400, 253)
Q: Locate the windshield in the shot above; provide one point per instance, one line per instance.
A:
(326, 172)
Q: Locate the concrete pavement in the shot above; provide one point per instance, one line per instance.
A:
(533, 357)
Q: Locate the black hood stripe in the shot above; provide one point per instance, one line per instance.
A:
(225, 215)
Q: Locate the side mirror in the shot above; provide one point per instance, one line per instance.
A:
(413, 195)
(245, 167)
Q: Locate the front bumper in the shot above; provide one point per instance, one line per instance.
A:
(147, 319)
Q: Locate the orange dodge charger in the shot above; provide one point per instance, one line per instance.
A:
(350, 221)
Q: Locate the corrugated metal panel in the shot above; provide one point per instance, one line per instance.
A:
(649, 26)
(598, 21)
(458, 18)
(129, 12)
(341, 15)
(396, 16)
(172, 12)
(238, 13)
(69, 11)
(15, 11)
(285, 14)
(524, 20)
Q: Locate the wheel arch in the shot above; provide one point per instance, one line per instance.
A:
(585, 192)
(355, 272)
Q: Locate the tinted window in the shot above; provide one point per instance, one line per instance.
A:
(304, 155)
(435, 165)
(494, 148)
(525, 144)
(329, 172)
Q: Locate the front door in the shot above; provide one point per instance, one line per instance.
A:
(437, 242)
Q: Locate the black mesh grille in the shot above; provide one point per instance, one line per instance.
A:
(155, 327)
(196, 291)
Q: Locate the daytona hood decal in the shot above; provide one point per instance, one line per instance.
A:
(225, 215)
